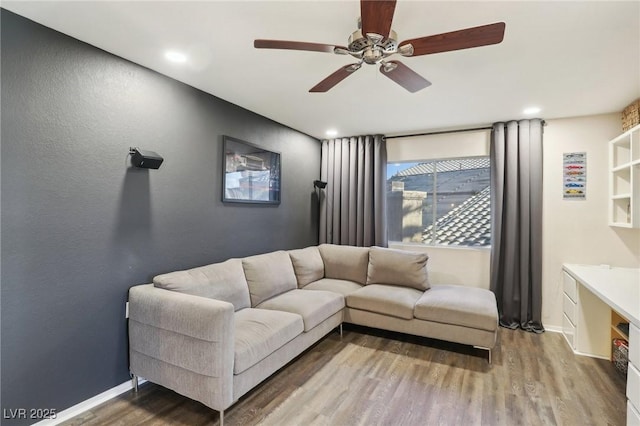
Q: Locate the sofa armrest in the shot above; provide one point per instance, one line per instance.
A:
(183, 342)
(199, 317)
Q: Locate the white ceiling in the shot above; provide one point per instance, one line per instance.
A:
(568, 58)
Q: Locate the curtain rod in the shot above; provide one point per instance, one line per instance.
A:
(441, 132)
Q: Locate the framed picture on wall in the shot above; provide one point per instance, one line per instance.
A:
(574, 176)
(251, 174)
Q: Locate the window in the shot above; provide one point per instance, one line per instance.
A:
(442, 202)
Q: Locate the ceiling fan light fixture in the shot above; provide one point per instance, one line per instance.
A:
(373, 55)
(375, 38)
(358, 42)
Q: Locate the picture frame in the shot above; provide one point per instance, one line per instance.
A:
(574, 176)
(250, 174)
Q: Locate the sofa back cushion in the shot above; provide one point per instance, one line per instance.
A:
(345, 262)
(398, 267)
(268, 275)
(307, 264)
(222, 281)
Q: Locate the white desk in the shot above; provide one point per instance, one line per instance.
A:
(590, 293)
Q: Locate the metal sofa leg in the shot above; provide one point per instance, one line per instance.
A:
(341, 330)
(486, 349)
(221, 417)
(134, 382)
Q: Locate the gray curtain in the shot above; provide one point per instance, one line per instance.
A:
(516, 209)
(353, 205)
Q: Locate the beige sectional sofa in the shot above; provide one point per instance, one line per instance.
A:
(213, 333)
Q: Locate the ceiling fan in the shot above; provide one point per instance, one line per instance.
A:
(375, 41)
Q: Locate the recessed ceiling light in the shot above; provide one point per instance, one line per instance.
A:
(531, 110)
(174, 56)
(331, 133)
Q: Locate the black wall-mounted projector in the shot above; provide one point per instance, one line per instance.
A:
(145, 159)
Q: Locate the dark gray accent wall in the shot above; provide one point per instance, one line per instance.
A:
(80, 225)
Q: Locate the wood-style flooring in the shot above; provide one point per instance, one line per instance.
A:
(372, 377)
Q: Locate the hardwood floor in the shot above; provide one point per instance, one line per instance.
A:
(372, 377)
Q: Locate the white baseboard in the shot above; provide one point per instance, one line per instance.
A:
(90, 403)
(553, 328)
(591, 355)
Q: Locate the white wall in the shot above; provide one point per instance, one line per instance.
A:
(577, 231)
(454, 265)
(438, 146)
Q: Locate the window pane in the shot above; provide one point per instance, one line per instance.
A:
(443, 202)
(406, 201)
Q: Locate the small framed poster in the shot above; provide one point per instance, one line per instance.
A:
(574, 176)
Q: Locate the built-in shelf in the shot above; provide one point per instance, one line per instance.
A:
(616, 333)
(624, 179)
(621, 168)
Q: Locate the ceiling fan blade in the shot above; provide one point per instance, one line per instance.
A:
(335, 78)
(462, 39)
(404, 76)
(376, 16)
(294, 45)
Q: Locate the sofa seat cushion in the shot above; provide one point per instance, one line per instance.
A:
(307, 264)
(397, 267)
(268, 275)
(260, 332)
(383, 299)
(314, 306)
(459, 305)
(343, 287)
(345, 262)
(222, 281)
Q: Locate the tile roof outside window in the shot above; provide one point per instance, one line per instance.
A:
(463, 197)
(469, 224)
(446, 166)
